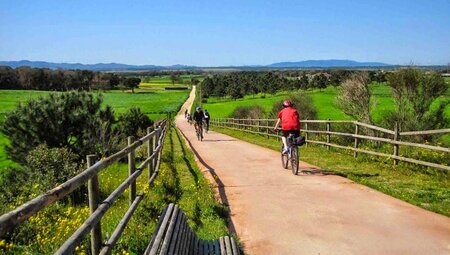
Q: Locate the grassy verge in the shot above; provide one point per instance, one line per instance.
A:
(179, 181)
(426, 188)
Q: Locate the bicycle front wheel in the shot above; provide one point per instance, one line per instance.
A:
(284, 159)
(294, 160)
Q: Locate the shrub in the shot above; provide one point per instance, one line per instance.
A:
(354, 98)
(70, 120)
(302, 102)
(51, 166)
(248, 112)
(414, 91)
(133, 121)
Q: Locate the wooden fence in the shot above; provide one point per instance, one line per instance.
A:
(392, 137)
(154, 142)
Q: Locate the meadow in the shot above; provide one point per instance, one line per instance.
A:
(324, 101)
(149, 99)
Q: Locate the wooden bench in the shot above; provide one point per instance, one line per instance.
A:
(174, 236)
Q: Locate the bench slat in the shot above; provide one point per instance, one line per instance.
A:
(216, 247)
(175, 237)
(228, 245)
(200, 247)
(234, 247)
(152, 240)
(223, 251)
(161, 230)
(180, 235)
(169, 233)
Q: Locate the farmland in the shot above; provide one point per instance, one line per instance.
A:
(149, 99)
(324, 101)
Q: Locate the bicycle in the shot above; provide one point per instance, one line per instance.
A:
(292, 154)
(205, 122)
(199, 131)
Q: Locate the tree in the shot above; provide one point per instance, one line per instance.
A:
(133, 121)
(132, 83)
(414, 91)
(68, 120)
(319, 81)
(354, 98)
(175, 78)
(304, 82)
(8, 78)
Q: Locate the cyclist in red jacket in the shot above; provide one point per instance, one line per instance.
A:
(290, 122)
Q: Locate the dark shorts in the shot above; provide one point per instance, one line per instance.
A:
(287, 132)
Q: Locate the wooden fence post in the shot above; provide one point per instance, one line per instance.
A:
(131, 170)
(306, 134)
(328, 133)
(150, 148)
(355, 153)
(94, 201)
(259, 127)
(267, 129)
(396, 138)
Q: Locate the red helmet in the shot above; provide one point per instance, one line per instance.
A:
(287, 103)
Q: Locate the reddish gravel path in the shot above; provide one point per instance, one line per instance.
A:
(275, 212)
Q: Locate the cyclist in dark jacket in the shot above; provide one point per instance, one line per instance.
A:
(198, 117)
(207, 117)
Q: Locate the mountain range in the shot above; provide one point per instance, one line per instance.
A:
(331, 63)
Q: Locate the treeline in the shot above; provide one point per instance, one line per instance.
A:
(61, 80)
(237, 85)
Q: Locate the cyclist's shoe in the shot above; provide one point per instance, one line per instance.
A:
(285, 151)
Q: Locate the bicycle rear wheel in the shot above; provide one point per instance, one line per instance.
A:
(294, 160)
(284, 159)
(198, 133)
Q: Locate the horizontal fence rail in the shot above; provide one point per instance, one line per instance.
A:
(154, 142)
(392, 137)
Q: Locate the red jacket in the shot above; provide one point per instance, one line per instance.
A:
(289, 119)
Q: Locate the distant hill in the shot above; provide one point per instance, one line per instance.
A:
(328, 63)
(124, 67)
(93, 67)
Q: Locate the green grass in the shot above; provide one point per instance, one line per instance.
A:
(426, 188)
(148, 99)
(324, 101)
(179, 181)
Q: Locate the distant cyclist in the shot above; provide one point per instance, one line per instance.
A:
(290, 122)
(198, 117)
(207, 117)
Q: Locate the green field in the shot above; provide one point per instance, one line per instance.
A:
(324, 101)
(148, 99)
(164, 80)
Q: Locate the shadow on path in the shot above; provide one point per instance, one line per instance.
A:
(220, 185)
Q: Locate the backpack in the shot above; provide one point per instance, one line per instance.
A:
(299, 141)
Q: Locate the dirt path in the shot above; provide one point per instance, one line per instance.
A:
(275, 212)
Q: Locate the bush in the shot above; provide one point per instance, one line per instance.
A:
(133, 121)
(44, 169)
(70, 120)
(248, 112)
(302, 102)
(414, 91)
(51, 166)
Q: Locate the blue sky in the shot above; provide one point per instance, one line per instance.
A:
(214, 33)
